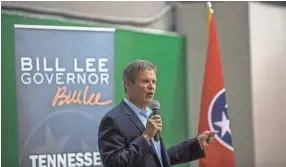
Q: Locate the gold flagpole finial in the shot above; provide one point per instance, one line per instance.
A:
(209, 4)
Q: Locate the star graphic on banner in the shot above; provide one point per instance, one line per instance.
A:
(223, 124)
(85, 147)
(52, 145)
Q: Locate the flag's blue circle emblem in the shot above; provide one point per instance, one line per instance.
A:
(218, 119)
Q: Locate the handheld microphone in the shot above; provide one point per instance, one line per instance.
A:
(155, 107)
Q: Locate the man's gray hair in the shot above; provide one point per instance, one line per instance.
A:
(130, 72)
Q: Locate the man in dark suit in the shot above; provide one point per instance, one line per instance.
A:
(126, 133)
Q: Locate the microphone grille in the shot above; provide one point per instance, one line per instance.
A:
(155, 104)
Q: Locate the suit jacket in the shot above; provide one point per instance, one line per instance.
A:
(121, 143)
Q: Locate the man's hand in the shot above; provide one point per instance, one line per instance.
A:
(154, 124)
(207, 137)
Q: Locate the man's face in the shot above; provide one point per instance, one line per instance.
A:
(142, 91)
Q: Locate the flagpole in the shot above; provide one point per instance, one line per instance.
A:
(210, 12)
(210, 7)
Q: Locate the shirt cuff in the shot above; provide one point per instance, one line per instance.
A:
(200, 145)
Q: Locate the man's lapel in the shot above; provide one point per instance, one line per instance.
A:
(133, 117)
(164, 153)
(137, 122)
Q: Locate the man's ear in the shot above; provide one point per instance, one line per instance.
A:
(126, 83)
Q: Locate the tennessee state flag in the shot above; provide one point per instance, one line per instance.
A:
(213, 114)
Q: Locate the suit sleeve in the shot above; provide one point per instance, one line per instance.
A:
(185, 152)
(115, 151)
